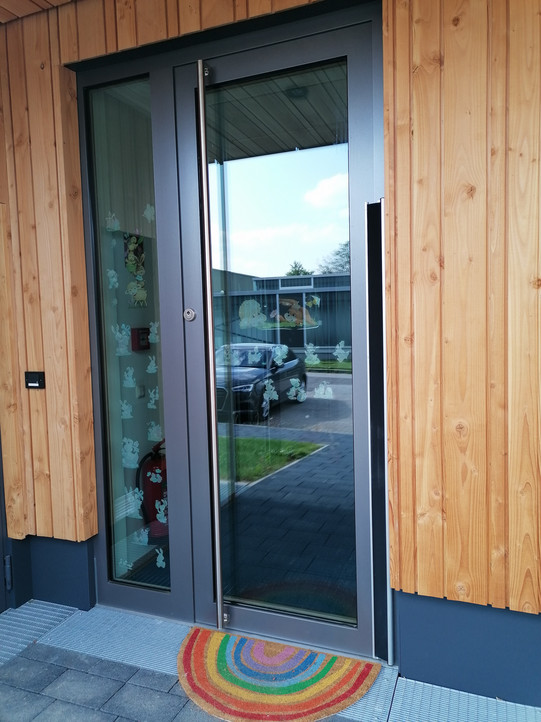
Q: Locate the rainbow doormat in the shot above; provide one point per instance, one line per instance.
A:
(238, 678)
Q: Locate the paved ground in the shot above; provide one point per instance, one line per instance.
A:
(49, 684)
(290, 539)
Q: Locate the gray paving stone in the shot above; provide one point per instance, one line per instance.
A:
(64, 657)
(113, 670)
(82, 688)
(60, 711)
(144, 704)
(192, 713)
(17, 705)
(29, 674)
(154, 680)
(178, 689)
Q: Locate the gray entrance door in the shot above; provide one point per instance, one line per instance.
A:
(230, 263)
(273, 182)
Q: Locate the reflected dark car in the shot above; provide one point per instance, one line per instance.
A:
(250, 377)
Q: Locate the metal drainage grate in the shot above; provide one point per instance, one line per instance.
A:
(27, 624)
(137, 639)
(376, 703)
(421, 702)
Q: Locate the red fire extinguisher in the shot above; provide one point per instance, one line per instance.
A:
(151, 478)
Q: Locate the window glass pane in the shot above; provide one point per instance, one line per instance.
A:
(279, 179)
(129, 315)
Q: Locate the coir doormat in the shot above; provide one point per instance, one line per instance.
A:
(238, 678)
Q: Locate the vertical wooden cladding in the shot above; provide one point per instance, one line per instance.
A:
(122, 24)
(462, 98)
(49, 473)
(523, 313)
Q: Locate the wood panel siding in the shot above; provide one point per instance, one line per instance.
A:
(462, 135)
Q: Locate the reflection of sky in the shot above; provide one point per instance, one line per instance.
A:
(279, 209)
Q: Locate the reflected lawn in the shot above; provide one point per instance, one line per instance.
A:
(255, 458)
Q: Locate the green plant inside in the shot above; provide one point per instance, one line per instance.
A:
(255, 458)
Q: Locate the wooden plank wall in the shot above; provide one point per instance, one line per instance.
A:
(47, 436)
(462, 135)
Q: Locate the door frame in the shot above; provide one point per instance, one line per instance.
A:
(326, 45)
(185, 584)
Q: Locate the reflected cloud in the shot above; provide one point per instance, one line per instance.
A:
(329, 192)
(278, 247)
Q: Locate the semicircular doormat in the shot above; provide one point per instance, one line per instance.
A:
(238, 678)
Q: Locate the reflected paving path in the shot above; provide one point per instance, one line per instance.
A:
(288, 541)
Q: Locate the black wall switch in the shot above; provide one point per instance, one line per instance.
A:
(34, 379)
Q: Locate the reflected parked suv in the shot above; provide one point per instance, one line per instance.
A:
(250, 377)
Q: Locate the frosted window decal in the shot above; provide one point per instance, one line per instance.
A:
(340, 353)
(161, 507)
(130, 453)
(154, 395)
(279, 354)
(153, 336)
(155, 476)
(141, 536)
(232, 357)
(149, 213)
(250, 314)
(111, 222)
(311, 359)
(128, 378)
(323, 391)
(112, 277)
(270, 392)
(297, 392)
(122, 335)
(154, 431)
(133, 499)
(152, 368)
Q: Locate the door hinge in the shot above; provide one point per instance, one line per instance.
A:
(8, 574)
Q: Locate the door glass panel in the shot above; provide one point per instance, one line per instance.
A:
(279, 216)
(125, 243)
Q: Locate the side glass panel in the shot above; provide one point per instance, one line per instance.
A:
(278, 185)
(126, 262)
